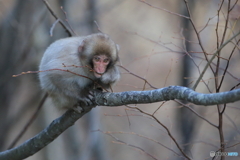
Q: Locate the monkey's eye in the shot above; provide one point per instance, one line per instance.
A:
(106, 60)
(97, 59)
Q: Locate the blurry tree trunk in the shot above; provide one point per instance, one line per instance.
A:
(24, 34)
(15, 47)
(185, 119)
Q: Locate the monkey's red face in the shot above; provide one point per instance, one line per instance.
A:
(100, 63)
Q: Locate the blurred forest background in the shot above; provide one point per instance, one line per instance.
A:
(158, 46)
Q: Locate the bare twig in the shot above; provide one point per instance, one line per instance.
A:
(226, 68)
(53, 26)
(233, 123)
(219, 51)
(66, 19)
(230, 74)
(210, 61)
(217, 26)
(197, 34)
(206, 24)
(142, 136)
(56, 17)
(138, 77)
(200, 116)
(64, 70)
(128, 144)
(233, 145)
(165, 82)
(176, 14)
(158, 108)
(168, 131)
(98, 28)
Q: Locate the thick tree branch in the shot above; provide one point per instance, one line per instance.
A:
(33, 145)
(165, 94)
(59, 125)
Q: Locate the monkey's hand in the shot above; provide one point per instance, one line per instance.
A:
(85, 103)
(80, 108)
(86, 98)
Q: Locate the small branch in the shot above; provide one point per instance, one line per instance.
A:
(142, 136)
(56, 17)
(98, 28)
(53, 26)
(66, 19)
(196, 113)
(176, 14)
(235, 126)
(206, 24)
(128, 144)
(228, 62)
(145, 80)
(64, 70)
(216, 73)
(233, 5)
(197, 33)
(168, 132)
(210, 61)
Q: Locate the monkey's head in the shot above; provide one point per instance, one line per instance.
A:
(99, 52)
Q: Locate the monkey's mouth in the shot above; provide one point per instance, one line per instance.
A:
(97, 74)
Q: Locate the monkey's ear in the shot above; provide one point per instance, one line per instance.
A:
(81, 47)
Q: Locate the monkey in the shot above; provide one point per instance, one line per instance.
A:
(71, 67)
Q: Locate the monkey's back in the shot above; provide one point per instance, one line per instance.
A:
(60, 66)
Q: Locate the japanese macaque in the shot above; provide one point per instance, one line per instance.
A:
(71, 67)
